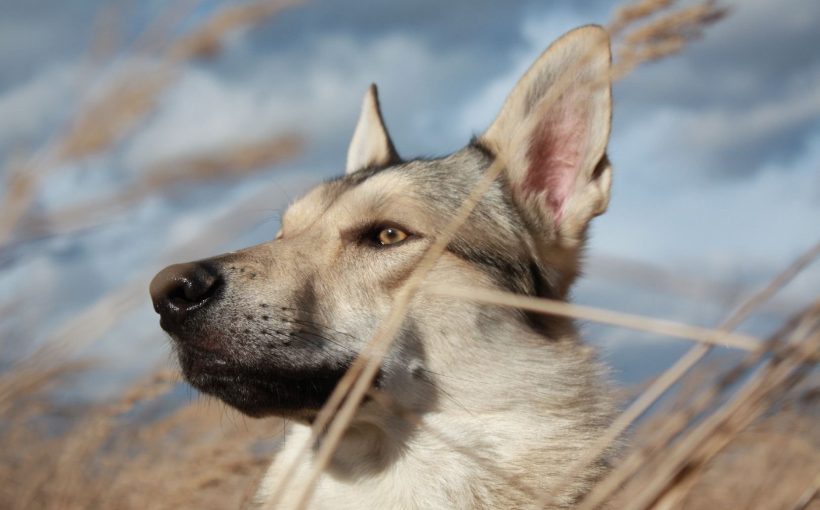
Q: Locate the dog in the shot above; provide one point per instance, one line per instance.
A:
(504, 401)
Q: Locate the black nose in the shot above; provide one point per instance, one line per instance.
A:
(181, 289)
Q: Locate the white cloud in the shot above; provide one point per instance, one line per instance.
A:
(723, 130)
(30, 109)
(24, 36)
(745, 94)
(317, 95)
(665, 208)
(539, 31)
(764, 219)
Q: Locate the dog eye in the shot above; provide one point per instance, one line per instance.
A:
(391, 235)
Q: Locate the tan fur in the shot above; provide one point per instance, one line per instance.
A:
(488, 405)
(479, 446)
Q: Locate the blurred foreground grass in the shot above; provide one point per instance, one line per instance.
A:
(747, 437)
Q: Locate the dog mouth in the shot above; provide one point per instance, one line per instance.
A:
(262, 389)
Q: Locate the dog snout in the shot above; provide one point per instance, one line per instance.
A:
(181, 289)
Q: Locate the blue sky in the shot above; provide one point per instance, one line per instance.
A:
(716, 151)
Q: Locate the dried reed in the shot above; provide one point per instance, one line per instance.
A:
(228, 163)
(116, 454)
(114, 108)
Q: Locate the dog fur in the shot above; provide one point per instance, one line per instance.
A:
(503, 400)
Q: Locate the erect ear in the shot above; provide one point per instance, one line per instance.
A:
(371, 145)
(552, 134)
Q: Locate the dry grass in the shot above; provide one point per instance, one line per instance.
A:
(132, 453)
(778, 453)
(743, 437)
(126, 96)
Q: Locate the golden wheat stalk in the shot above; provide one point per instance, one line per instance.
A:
(708, 438)
(637, 322)
(674, 373)
(675, 424)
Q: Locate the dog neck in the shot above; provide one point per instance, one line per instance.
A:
(492, 439)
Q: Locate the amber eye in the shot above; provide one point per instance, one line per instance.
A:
(391, 235)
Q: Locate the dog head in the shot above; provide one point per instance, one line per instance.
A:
(271, 329)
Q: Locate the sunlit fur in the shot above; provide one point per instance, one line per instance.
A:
(489, 406)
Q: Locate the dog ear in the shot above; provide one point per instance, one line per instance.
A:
(552, 134)
(371, 145)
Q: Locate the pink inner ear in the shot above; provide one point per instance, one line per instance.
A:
(555, 155)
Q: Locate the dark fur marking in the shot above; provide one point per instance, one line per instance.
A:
(359, 176)
(519, 278)
(540, 283)
(412, 338)
(305, 300)
(478, 144)
(510, 274)
(601, 166)
(550, 326)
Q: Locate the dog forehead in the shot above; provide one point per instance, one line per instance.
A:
(383, 186)
(422, 186)
(308, 207)
(353, 199)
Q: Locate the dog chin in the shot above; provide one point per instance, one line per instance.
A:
(261, 391)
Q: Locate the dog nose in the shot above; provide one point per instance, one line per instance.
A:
(181, 289)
